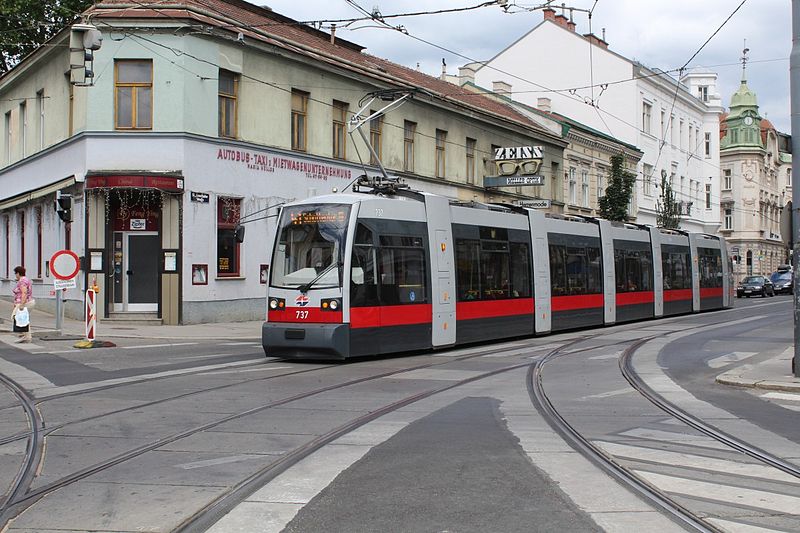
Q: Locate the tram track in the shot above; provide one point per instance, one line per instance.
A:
(680, 513)
(24, 498)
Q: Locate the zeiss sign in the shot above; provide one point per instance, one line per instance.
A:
(516, 166)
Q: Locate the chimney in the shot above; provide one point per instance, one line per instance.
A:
(570, 24)
(594, 39)
(543, 104)
(466, 74)
(333, 33)
(501, 87)
(549, 13)
(444, 70)
(561, 20)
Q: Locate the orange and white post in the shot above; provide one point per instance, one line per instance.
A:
(91, 317)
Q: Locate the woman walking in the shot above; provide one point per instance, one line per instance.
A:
(23, 298)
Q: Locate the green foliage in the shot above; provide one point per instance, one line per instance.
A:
(614, 204)
(26, 24)
(668, 210)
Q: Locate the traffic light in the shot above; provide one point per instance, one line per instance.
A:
(64, 206)
(84, 39)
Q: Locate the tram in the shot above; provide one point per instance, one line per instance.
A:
(394, 270)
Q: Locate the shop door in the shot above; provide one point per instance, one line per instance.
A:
(141, 272)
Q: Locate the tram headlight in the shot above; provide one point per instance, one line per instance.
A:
(331, 304)
(277, 304)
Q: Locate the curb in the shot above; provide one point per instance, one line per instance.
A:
(762, 384)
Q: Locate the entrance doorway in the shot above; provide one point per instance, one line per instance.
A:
(136, 271)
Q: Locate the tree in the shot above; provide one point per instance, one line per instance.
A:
(26, 24)
(668, 210)
(614, 204)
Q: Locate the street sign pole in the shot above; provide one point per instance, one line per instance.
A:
(64, 265)
(59, 312)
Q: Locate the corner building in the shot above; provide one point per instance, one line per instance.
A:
(203, 115)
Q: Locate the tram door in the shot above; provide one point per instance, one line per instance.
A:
(136, 262)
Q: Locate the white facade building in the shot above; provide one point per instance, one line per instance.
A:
(676, 125)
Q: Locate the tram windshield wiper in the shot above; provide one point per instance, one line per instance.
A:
(306, 286)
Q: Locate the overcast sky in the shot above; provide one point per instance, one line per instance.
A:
(659, 33)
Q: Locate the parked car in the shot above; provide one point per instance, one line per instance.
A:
(783, 281)
(755, 286)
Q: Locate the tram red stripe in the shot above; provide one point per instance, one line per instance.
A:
(305, 315)
(390, 315)
(676, 295)
(494, 308)
(579, 301)
(711, 292)
(633, 298)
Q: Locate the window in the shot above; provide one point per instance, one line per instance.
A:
(681, 140)
(672, 129)
(575, 270)
(133, 94)
(600, 184)
(375, 138)
(702, 93)
(675, 265)
(441, 138)
(709, 262)
(708, 144)
(340, 129)
(585, 188)
(647, 187)
(727, 179)
(40, 109)
(489, 267)
(23, 128)
(299, 116)
(71, 105)
(788, 177)
(728, 218)
(633, 269)
(663, 130)
(647, 110)
(708, 196)
(228, 212)
(228, 94)
(471, 160)
(572, 186)
(409, 129)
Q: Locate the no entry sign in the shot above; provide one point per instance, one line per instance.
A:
(65, 264)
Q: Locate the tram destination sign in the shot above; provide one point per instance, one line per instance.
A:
(513, 181)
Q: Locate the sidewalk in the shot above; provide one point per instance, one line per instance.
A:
(43, 325)
(772, 374)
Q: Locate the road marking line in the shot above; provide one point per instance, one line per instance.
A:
(699, 462)
(738, 527)
(677, 438)
(733, 357)
(266, 369)
(609, 394)
(159, 345)
(239, 344)
(726, 494)
(782, 396)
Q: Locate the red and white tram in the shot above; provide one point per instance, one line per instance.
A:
(373, 273)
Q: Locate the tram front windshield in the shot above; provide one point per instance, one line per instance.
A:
(311, 241)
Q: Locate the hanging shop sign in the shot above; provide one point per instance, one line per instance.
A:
(534, 204)
(516, 166)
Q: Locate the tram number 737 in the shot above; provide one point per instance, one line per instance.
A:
(302, 315)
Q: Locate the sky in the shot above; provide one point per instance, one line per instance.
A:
(662, 34)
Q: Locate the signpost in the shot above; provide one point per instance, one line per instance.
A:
(64, 265)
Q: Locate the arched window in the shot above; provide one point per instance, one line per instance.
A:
(749, 262)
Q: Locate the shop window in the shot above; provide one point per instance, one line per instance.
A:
(299, 118)
(228, 212)
(133, 94)
(7, 231)
(38, 214)
(228, 95)
(21, 223)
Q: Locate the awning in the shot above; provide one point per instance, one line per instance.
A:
(36, 193)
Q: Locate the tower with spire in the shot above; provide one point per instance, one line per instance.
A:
(742, 126)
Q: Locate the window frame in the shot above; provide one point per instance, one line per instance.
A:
(376, 138)
(135, 88)
(441, 154)
(223, 98)
(409, 131)
(470, 159)
(228, 224)
(299, 120)
(339, 129)
(647, 116)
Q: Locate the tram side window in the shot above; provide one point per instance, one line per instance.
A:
(495, 271)
(676, 270)
(634, 270)
(710, 264)
(364, 286)
(468, 271)
(520, 270)
(402, 276)
(575, 270)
